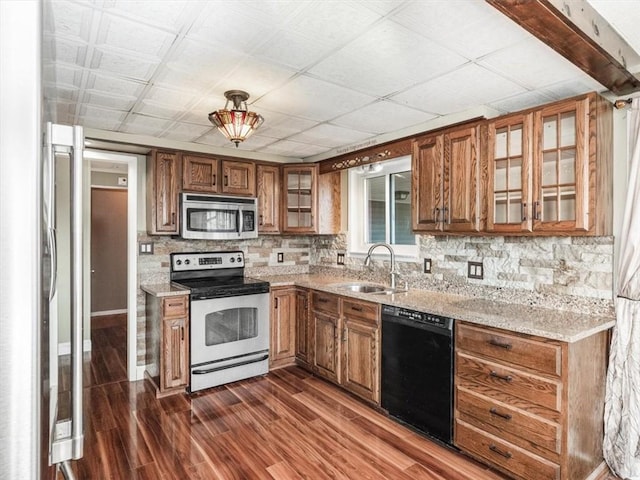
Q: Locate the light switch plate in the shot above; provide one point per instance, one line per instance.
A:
(340, 260)
(280, 257)
(427, 265)
(145, 248)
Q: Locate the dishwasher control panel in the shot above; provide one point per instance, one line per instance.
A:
(421, 317)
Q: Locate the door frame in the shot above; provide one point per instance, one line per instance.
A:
(133, 372)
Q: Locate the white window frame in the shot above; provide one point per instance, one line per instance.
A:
(357, 244)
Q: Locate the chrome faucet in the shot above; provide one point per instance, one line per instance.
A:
(392, 272)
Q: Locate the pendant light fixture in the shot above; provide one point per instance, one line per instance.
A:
(238, 123)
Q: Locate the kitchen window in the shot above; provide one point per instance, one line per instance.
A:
(380, 207)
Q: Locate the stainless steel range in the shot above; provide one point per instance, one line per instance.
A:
(229, 322)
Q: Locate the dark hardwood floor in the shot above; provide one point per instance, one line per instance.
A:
(286, 425)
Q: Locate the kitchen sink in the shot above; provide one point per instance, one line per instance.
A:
(370, 288)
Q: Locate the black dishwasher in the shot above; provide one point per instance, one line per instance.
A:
(417, 370)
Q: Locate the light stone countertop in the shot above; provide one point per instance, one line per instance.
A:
(164, 290)
(560, 325)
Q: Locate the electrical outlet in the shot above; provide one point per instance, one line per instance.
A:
(427, 265)
(340, 260)
(280, 257)
(145, 248)
(475, 270)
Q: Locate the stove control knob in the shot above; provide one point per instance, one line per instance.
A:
(239, 259)
(187, 261)
(232, 260)
(178, 262)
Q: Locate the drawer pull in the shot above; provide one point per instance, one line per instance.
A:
(357, 309)
(505, 378)
(495, 343)
(495, 449)
(322, 300)
(494, 411)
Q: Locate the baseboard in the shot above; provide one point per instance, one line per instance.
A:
(601, 471)
(65, 348)
(108, 312)
(140, 369)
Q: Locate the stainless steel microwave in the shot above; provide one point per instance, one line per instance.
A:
(215, 217)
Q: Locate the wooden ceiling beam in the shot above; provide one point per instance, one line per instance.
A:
(578, 33)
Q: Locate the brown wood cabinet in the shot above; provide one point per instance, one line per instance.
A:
(549, 169)
(238, 178)
(268, 193)
(167, 334)
(304, 351)
(446, 181)
(283, 326)
(200, 173)
(346, 343)
(312, 201)
(164, 173)
(529, 406)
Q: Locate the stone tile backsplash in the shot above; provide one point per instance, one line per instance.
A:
(569, 273)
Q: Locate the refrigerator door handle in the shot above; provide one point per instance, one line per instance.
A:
(54, 263)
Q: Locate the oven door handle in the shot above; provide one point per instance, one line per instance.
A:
(217, 369)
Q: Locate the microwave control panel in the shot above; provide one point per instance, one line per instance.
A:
(181, 262)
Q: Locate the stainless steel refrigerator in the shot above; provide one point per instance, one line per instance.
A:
(40, 418)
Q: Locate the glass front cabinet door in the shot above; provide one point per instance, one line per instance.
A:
(300, 183)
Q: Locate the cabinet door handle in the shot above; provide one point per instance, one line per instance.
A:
(344, 334)
(261, 221)
(504, 378)
(495, 449)
(445, 210)
(226, 180)
(275, 302)
(214, 179)
(436, 215)
(494, 411)
(182, 333)
(536, 210)
(495, 343)
(524, 211)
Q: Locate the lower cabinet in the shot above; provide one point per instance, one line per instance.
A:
(528, 406)
(283, 326)
(346, 343)
(167, 335)
(304, 345)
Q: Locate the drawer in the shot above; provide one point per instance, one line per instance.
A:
(537, 354)
(528, 431)
(363, 310)
(511, 382)
(325, 302)
(524, 465)
(176, 306)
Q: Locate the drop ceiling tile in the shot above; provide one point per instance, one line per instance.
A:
(459, 90)
(382, 7)
(117, 32)
(67, 51)
(158, 110)
(167, 14)
(64, 75)
(169, 97)
(214, 138)
(333, 23)
(220, 24)
(123, 64)
(293, 149)
(142, 125)
(254, 142)
(532, 64)
(114, 102)
(313, 99)
(185, 132)
(293, 50)
(61, 93)
(69, 19)
(358, 65)
(570, 88)
(469, 27)
(113, 85)
(102, 118)
(329, 136)
(521, 102)
(382, 117)
(277, 125)
(254, 76)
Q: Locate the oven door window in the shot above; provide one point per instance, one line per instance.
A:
(212, 220)
(232, 325)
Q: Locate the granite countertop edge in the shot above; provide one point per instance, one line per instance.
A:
(561, 325)
(164, 290)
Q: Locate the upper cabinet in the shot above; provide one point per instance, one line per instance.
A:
(549, 169)
(200, 173)
(446, 178)
(164, 174)
(239, 178)
(312, 203)
(268, 193)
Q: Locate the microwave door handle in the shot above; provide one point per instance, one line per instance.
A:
(239, 221)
